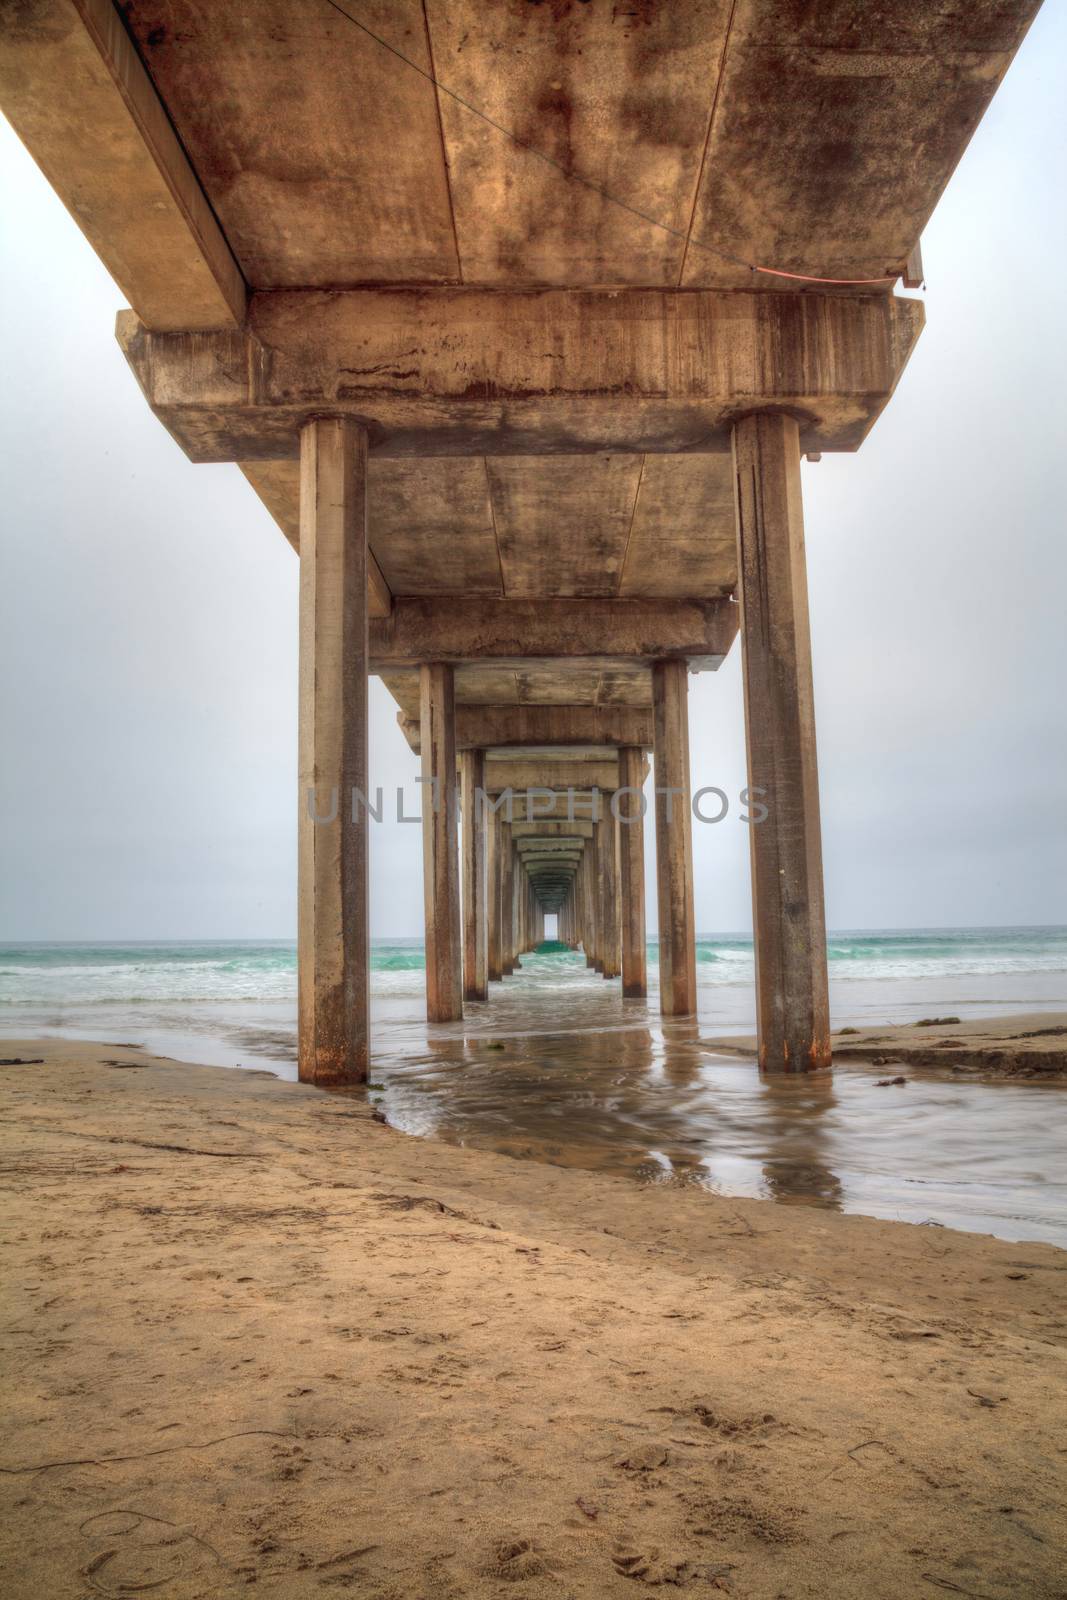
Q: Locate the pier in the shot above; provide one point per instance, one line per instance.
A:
(520, 321)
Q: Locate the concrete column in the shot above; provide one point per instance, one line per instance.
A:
(591, 893)
(607, 859)
(792, 1004)
(472, 817)
(333, 936)
(516, 910)
(507, 902)
(674, 840)
(597, 898)
(440, 855)
(493, 872)
(632, 873)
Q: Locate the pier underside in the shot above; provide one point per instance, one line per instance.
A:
(519, 320)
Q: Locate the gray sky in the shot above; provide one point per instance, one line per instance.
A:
(148, 609)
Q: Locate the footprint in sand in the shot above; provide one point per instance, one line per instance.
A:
(756, 1425)
(141, 1552)
(514, 1560)
(644, 1458)
(655, 1567)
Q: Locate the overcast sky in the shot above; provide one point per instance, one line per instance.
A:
(148, 643)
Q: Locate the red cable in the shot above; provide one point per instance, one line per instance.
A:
(805, 277)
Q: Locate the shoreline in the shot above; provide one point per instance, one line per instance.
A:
(1027, 1045)
(256, 1337)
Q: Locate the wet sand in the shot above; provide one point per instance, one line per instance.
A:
(661, 1103)
(1025, 1045)
(255, 1337)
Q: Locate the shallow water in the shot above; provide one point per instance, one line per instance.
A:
(587, 1079)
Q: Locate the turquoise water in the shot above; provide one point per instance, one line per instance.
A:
(140, 973)
(576, 1075)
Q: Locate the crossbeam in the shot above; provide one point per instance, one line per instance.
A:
(513, 632)
(483, 727)
(471, 371)
(552, 830)
(559, 776)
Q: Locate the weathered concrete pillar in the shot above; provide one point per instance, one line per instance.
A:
(592, 896)
(516, 910)
(475, 937)
(792, 1003)
(674, 840)
(440, 855)
(493, 873)
(332, 928)
(630, 808)
(507, 902)
(607, 859)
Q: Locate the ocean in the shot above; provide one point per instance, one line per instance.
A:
(578, 1076)
(237, 999)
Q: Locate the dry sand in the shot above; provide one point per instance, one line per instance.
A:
(254, 1339)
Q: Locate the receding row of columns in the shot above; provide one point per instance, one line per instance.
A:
(480, 919)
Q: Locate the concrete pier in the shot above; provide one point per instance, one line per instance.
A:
(674, 840)
(440, 856)
(333, 960)
(630, 810)
(608, 862)
(508, 954)
(577, 427)
(792, 1000)
(493, 876)
(475, 899)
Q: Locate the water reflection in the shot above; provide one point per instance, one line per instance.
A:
(559, 1069)
(796, 1114)
(632, 1095)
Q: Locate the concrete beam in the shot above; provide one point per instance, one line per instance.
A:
(562, 808)
(481, 727)
(559, 776)
(513, 632)
(73, 87)
(552, 830)
(546, 849)
(469, 371)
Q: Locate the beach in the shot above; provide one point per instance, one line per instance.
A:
(258, 1338)
(558, 1068)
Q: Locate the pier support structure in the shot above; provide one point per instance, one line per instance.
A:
(607, 833)
(493, 874)
(674, 840)
(630, 809)
(440, 858)
(333, 936)
(473, 830)
(537, 445)
(792, 1004)
(507, 901)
